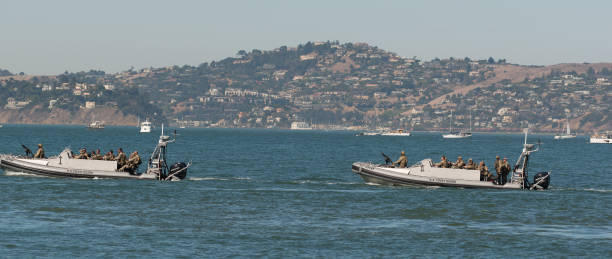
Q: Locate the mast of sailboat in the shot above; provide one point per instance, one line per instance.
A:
(568, 127)
(451, 122)
(470, 121)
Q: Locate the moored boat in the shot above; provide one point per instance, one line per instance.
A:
(601, 138)
(145, 126)
(96, 125)
(424, 173)
(568, 134)
(65, 165)
(398, 132)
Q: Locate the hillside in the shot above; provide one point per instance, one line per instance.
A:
(325, 83)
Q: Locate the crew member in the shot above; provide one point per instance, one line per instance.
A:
(402, 161)
(40, 153)
(484, 171)
(459, 164)
(470, 165)
(120, 158)
(498, 167)
(82, 154)
(505, 170)
(132, 164)
(109, 156)
(443, 162)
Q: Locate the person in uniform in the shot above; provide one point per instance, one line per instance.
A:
(459, 164)
(442, 163)
(470, 165)
(505, 170)
(82, 154)
(402, 161)
(132, 164)
(498, 163)
(40, 153)
(484, 171)
(98, 156)
(109, 156)
(120, 158)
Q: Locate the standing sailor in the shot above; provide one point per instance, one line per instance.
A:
(484, 171)
(498, 164)
(402, 161)
(505, 170)
(40, 153)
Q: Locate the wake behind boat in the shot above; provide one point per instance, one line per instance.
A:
(66, 165)
(424, 173)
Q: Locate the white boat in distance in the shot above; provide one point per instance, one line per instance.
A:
(424, 173)
(300, 125)
(568, 133)
(601, 138)
(456, 134)
(399, 132)
(96, 125)
(145, 126)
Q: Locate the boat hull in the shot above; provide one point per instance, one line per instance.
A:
(600, 140)
(377, 174)
(38, 167)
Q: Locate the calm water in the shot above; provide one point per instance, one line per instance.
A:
(277, 193)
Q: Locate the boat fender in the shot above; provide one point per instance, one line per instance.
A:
(178, 170)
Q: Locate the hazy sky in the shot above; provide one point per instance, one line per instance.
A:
(49, 37)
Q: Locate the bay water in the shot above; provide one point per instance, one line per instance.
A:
(281, 193)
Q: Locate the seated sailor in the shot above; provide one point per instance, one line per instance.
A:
(82, 154)
(120, 158)
(40, 153)
(459, 164)
(402, 161)
(109, 156)
(443, 163)
(470, 165)
(132, 164)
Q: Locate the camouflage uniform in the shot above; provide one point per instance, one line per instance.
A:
(442, 163)
(505, 170)
(40, 153)
(459, 164)
(402, 161)
(82, 154)
(470, 165)
(498, 164)
(484, 171)
(132, 164)
(120, 158)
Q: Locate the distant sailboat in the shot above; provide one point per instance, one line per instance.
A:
(568, 133)
(455, 134)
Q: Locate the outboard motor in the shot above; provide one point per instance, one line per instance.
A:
(178, 170)
(541, 180)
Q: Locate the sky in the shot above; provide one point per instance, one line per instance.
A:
(50, 37)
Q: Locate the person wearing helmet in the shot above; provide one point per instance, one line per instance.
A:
(470, 165)
(402, 161)
(40, 153)
(459, 164)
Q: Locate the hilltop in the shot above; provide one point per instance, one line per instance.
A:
(323, 83)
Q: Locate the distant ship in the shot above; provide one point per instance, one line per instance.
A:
(145, 126)
(568, 133)
(602, 138)
(457, 134)
(96, 125)
(300, 125)
(399, 132)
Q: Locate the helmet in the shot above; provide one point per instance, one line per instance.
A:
(403, 153)
(39, 145)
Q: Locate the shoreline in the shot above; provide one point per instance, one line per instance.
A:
(262, 128)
